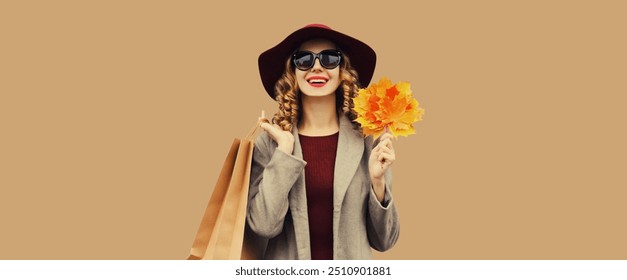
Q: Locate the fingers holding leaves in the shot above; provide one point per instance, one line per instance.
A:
(385, 149)
(386, 140)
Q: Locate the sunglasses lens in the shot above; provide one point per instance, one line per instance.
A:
(303, 60)
(329, 59)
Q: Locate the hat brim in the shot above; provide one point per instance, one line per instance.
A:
(272, 61)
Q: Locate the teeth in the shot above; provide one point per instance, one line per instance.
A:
(317, 81)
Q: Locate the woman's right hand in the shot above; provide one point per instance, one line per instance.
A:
(284, 139)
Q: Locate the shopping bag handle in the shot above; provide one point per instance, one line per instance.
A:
(252, 133)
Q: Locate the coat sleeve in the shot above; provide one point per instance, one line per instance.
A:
(273, 173)
(382, 221)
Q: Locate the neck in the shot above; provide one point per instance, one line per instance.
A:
(319, 115)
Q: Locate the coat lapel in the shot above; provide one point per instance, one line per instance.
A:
(350, 148)
(298, 206)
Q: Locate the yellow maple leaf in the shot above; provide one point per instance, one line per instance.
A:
(384, 105)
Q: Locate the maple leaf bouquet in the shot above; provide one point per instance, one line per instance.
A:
(386, 107)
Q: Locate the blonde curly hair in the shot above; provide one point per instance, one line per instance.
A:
(287, 94)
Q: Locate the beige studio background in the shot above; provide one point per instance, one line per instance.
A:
(115, 117)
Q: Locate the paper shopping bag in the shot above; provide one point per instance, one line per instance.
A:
(223, 233)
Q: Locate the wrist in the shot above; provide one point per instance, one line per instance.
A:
(286, 149)
(378, 183)
(378, 186)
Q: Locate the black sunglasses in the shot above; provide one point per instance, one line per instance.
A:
(304, 60)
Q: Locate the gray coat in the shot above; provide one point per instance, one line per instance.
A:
(278, 203)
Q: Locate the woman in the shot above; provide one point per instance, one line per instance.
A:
(318, 188)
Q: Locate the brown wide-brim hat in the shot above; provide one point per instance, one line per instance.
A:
(272, 62)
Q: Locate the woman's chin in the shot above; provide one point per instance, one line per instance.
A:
(317, 92)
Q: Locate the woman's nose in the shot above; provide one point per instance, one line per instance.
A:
(316, 65)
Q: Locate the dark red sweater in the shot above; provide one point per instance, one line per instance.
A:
(319, 153)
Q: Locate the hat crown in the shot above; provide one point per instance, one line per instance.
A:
(318, 25)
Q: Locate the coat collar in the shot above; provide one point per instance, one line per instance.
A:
(350, 148)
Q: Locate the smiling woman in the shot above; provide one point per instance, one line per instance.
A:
(318, 188)
(317, 72)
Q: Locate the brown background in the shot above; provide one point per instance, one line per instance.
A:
(115, 118)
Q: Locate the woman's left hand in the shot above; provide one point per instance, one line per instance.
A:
(381, 157)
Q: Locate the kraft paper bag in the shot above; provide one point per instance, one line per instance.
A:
(223, 233)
